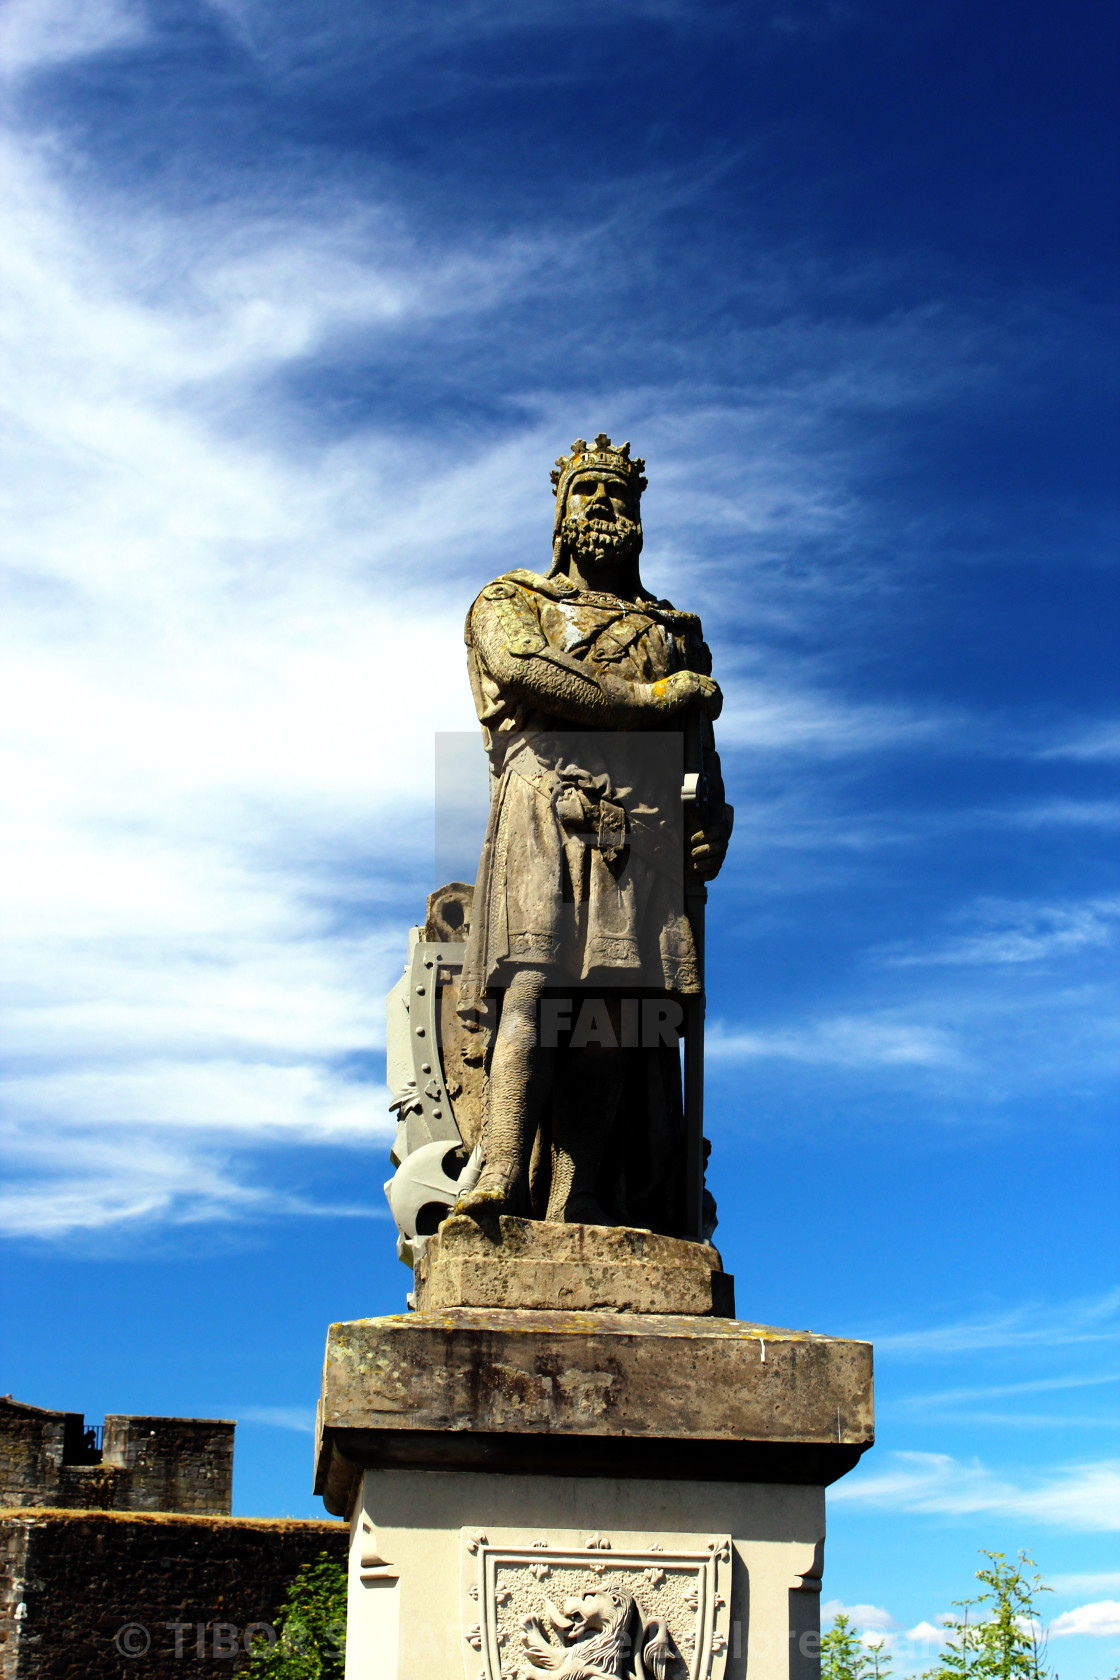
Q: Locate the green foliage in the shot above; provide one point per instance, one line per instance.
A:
(310, 1627)
(998, 1636)
(880, 1659)
(844, 1656)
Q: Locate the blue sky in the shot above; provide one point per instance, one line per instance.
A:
(299, 304)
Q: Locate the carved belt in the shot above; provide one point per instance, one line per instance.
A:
(587, 809)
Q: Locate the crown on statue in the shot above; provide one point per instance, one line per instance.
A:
(589, 457)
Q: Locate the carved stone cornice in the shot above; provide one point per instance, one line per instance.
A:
(569, 1393)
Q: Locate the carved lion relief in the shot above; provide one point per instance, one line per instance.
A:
(594, 1607)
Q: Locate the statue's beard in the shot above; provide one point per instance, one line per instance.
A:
(601, 542)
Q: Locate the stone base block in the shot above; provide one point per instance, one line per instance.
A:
(526, 1263)
(590, 1394)
(469, 1576)
(615, 1493)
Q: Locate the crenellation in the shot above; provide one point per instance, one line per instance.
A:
(50, 1458)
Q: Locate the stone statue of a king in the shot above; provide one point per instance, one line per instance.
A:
(607, 819)
(570, 1457)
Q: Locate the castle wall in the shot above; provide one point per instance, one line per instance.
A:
(171, 1464)
(32, 1443)
(142, 1464)
(81, 1591)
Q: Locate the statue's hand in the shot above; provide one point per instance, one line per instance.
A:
(709, 695)
(707, 843)
(673, 695)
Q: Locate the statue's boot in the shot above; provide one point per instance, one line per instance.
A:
(583, 1119)
(496, 1192)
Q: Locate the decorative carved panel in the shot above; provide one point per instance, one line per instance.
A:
(595, 1606)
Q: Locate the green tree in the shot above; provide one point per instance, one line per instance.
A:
(880, 1657)
(844, 1656)
(310, 1627)
(998, 1636)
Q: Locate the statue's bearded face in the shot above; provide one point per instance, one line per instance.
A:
(601, 526)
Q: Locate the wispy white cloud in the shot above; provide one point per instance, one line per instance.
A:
(868, 1616)
(1034, 1420)
(1007, 932)
(1098, 1621)
(1082, 1496)
(927, 1634)
(299, 1418)
(1100, 1581)
(203, 636)
(764, 717)
(389, 40)
(878, 1630)
(70, 1177)
(1062, 813)
(254, 1097)
(1037, 1324)
(1098, 741)
(848, 1041)
(1001, 1391)
(35, 34)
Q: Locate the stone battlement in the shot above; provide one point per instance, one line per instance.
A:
(50, 1458)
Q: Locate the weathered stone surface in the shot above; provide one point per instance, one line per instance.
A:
(141, 1464)
(427, 1572)
(622, 1394)
(561, 1009)
(73, 1579)
(575, 1268)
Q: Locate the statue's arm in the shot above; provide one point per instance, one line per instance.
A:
(710, 835)
(510, 643)
(710, 832)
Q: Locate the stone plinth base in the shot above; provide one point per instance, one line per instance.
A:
(457, 1575)
(526, 1263)
(524, 1486)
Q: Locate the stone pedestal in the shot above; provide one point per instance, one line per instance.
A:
(643, 1492)
(581, 1268)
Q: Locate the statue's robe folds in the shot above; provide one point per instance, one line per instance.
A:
(582, 868)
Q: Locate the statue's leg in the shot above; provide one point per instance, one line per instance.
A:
(519, 1081)
(590, 1082)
